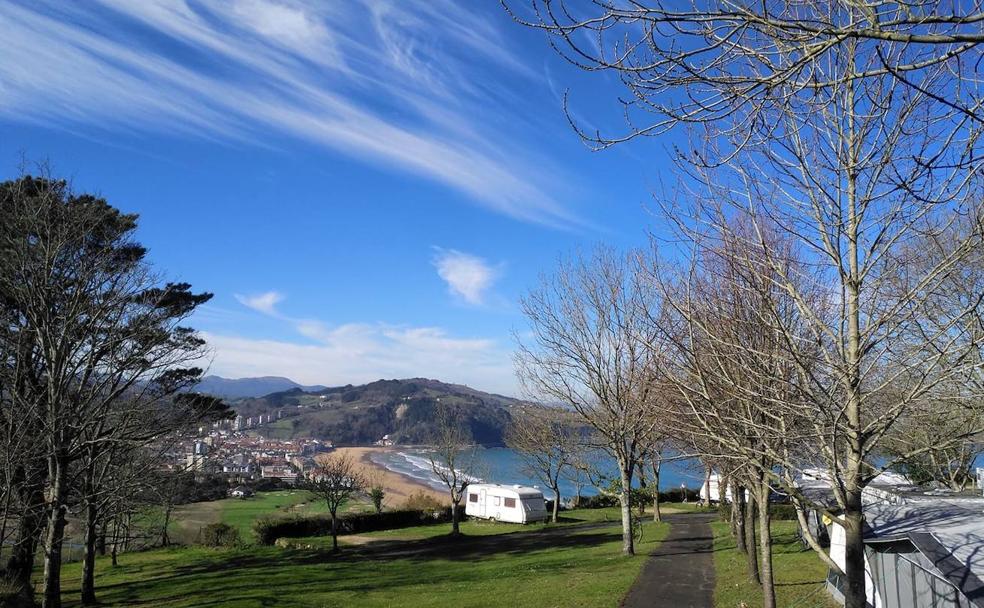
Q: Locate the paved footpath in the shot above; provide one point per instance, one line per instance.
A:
(680, 572)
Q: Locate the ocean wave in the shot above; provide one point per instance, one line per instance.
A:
(416, 466)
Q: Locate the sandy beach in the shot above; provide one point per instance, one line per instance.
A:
(397, 486)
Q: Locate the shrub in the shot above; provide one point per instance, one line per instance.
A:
(421, 501)
(14, 595)
(598, 501)
(218, 535)
(639, 496)
(782, 511)
(778, 511)
(269, 529)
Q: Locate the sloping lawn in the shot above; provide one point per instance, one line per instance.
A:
(575, 565)
(482, 528)
(799, 573)
(240, 513)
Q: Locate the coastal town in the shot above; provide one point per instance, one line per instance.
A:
(234, 449)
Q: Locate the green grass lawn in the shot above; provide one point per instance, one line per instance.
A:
(799, 573)
(242, 512)
(483, 528)
(475, 527)
(571, 565)
(281, 429)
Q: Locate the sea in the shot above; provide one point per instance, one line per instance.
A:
(506, 466)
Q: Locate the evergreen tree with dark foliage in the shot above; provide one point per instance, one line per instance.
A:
(94, 354)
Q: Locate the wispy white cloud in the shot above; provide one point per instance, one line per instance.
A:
(357, 352)
(264, 302)
(397, 84)
(360, 353)
(469, 277)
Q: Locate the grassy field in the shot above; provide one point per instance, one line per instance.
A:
(241, 513)
(281, 429)
(799, 572)
(571, 565)
(483, 528)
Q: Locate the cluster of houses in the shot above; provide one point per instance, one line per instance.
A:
(924, 546)
(244, 457)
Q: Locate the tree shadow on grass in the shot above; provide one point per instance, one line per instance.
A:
(801, 583)
(279, 578)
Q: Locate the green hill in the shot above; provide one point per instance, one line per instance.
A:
(403, 409)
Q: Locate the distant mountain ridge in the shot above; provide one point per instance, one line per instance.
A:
(238, 388)
(361, 415)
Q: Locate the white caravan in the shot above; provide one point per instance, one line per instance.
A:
(514, 504)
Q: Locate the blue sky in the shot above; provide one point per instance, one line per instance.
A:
(367, 187)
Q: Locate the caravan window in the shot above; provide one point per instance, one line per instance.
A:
(509, 503)
(495, 501)
(473, 498)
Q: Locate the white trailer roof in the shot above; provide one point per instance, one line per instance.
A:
(518, 490)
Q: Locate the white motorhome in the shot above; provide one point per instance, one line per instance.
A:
(514, 504)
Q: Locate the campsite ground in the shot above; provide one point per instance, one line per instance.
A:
(577, 564)
(799, 572)
(240, 513)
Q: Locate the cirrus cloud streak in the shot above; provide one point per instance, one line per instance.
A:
(394, 84)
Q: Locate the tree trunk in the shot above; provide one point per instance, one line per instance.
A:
(854, 591)
(54, 535)
(706, 501)
(165, 537)
(625, 500)
(116, 540)
(657, 516)
(125, 540)
(334, 532)
(738, 508)
(751, 554)
(89, 559)
(556, 503)
(29, 482)
(20, 566)
(765, 547)
(455, 528)
(101, 539)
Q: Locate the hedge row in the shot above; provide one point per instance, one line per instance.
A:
(269, 529)
(639, 496)
(778, 511)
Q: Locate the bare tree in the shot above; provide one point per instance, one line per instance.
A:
(119, 457)
(659, 451)
(336, 479)
(583, 469)
(592, 349)
(96, 325)
(921, 443)
(547, 440)
(854, 128)
(704, 62)
(736, 382)
(452, 459)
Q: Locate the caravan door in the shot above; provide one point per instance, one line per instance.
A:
(482, 507)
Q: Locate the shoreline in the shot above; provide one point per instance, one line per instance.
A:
(398, 487)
